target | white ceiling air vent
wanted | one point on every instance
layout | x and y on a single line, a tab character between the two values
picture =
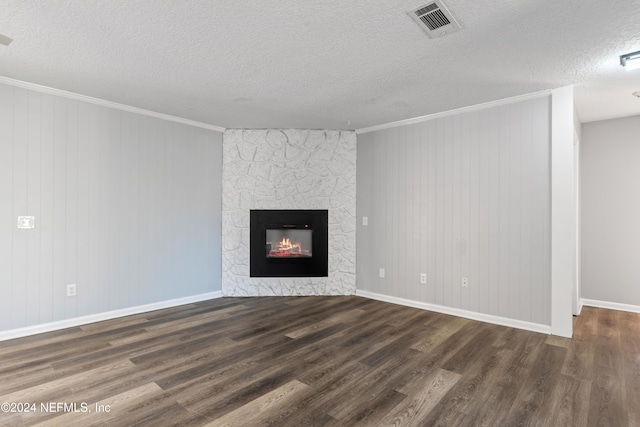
435	19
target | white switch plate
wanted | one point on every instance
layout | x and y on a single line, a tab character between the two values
26	222
71	290
423	278
365	221
465	282
381	273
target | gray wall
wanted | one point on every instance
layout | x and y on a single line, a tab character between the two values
610	210
127	207
466	195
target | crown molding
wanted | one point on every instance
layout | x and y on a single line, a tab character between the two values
470	108
104	103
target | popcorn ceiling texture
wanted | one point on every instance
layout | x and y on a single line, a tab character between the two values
288	169
332	64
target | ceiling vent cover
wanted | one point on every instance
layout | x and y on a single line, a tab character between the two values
435	19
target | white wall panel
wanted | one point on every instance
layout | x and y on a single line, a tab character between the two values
610	211
466	195
127	207
6	203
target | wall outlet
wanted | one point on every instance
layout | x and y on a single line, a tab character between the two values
423	278
465	282
365	221
71	290
381	273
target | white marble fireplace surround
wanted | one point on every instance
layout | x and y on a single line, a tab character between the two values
288	169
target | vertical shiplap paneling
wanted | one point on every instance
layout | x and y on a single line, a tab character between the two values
440	206
404	215
416	233
409	214
526	207
102	243
515	211
133	153
7	219
150	243
484	192
183	175
46	230
34	197
162	233
461	196
212	255
84	217
146	178
446	132
388	195
541	306
71	208
155	150
127	207
363	274
494	218
58	215
385	209
127	213
171	182
456	214
380	220
94	245
20	206
474	231
393	250
432	182
504	209
112	183
422	156
465	213
403	206
159	204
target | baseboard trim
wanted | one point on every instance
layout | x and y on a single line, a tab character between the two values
92	318
610	305
487	318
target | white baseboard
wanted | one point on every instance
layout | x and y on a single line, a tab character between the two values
610	305
487	318
83	320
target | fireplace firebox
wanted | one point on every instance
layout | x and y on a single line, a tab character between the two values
288	243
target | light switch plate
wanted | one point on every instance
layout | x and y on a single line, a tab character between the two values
71	290
26	221
365	221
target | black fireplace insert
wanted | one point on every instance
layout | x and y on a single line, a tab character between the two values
288	243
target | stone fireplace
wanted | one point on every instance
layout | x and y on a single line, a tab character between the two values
289	169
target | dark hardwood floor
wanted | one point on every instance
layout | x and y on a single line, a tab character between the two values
325	361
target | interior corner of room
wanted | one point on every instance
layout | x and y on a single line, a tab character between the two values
143	213
510	207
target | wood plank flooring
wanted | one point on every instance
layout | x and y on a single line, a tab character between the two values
322	361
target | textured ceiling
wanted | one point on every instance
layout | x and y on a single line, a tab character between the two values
324	64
